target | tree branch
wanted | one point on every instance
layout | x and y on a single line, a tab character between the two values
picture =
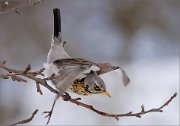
26	120
6	7
19	75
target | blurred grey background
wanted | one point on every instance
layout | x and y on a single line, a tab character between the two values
141	36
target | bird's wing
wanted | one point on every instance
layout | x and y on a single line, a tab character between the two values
70	70
72	61
79	62
68	75
106	67
125	78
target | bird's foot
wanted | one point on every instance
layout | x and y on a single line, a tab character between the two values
48	115
66	97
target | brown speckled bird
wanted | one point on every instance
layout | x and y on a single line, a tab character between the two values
75	74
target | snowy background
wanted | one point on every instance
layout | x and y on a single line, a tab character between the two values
140	36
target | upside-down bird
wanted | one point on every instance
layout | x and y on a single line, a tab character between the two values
77	75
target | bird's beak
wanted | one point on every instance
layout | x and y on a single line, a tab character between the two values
106	94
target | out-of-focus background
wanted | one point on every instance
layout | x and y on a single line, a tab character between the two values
140	36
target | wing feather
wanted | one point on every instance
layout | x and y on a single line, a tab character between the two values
70	70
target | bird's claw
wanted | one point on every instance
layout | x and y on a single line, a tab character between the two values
49	113
66	97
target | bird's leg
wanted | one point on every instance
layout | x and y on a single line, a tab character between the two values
66	97
49	113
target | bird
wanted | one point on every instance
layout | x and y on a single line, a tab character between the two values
75	75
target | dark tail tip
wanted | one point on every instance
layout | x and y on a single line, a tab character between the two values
57	22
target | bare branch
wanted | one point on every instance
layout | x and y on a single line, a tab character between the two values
166	103
6	7
32	75
16	78
28	68
38	88
137	114
26	120
13	76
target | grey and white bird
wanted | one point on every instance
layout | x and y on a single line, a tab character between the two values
70	71
75	74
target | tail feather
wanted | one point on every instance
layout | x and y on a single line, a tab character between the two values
57	22
56	51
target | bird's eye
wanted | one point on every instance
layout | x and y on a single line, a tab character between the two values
97	88
87	88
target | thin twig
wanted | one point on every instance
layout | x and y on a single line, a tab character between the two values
77	101
26	120
38	88
13	76
28	68
5	8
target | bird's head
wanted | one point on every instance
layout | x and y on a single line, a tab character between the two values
95	85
